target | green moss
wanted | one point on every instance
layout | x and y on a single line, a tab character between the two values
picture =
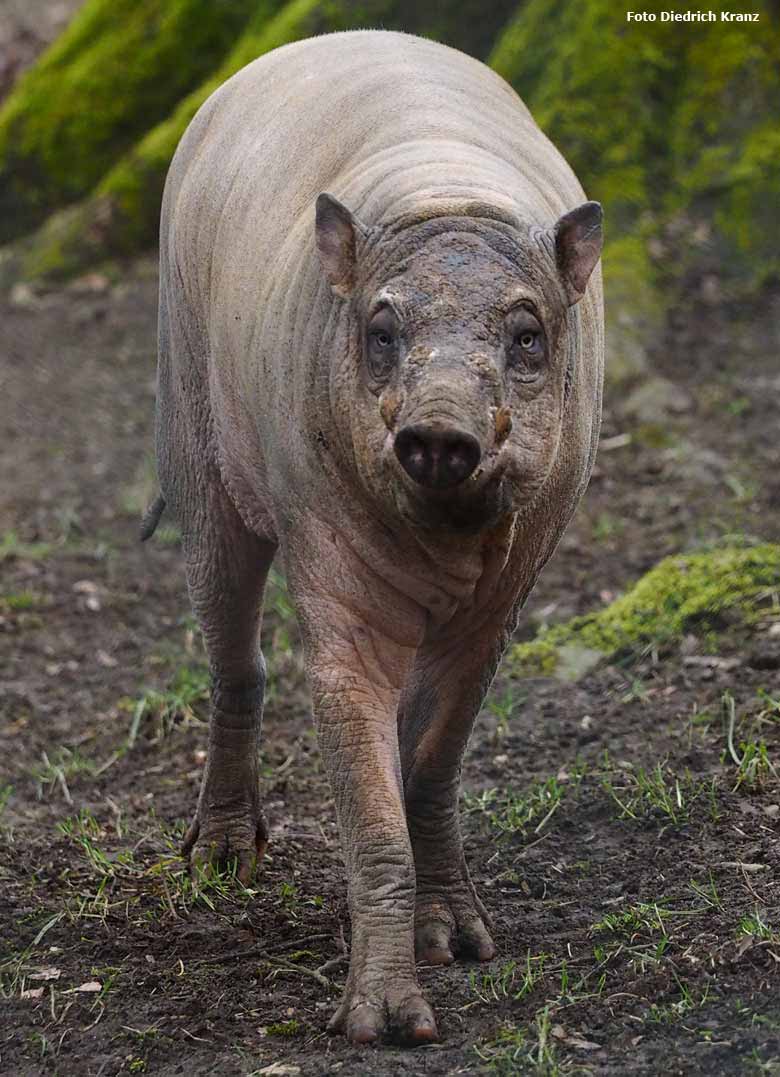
22	600
121	216
131	191
726	141
633	305
673	126
597	86
119	66
681	594
284	1028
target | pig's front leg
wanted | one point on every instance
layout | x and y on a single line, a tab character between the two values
355	671
439	704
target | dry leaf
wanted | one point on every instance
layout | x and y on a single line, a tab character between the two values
49	973
583	1045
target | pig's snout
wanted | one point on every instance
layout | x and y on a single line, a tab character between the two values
435	456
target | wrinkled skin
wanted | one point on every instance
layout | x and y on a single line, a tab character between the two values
381	359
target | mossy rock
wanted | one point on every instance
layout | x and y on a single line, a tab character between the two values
655	115
692	592
674	127
121	215
117	69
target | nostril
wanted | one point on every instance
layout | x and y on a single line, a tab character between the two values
461	458
416	452
437	458
412	453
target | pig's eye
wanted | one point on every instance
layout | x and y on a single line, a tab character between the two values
382	339
526	347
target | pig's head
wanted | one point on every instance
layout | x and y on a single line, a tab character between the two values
450	390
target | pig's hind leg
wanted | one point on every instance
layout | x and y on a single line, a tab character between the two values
226	565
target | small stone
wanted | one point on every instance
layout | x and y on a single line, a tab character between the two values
22	295
657	398
575	661
711	661
85	587
89	282
765	655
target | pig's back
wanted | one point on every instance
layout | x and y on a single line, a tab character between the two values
373	117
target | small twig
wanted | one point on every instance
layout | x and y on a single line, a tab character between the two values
525	848
548	816
748	883
108	763
49	923
92	1025
299	944
335	963
730	709
265	951
301	969
64	785
232	955
285	766
198	1038
168	897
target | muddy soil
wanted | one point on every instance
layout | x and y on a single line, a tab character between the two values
631	869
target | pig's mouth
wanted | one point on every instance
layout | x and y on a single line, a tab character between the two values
469	505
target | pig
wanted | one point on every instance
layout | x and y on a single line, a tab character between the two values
380	357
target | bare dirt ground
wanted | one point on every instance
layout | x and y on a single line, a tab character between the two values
632	869
26	28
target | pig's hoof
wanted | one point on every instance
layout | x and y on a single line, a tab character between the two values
222	839
402	1015
446	927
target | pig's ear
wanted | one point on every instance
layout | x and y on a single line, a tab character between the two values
336	231
578	242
